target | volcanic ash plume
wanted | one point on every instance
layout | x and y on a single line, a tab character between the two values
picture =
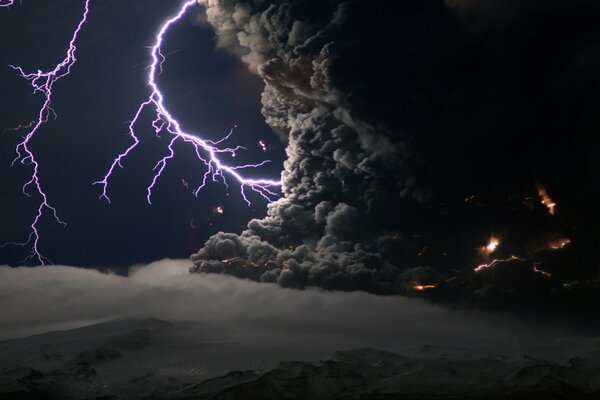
389	118
342	171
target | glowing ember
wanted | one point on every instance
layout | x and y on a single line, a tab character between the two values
493	263
546	200
421	288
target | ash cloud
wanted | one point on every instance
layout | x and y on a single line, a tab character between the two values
395	114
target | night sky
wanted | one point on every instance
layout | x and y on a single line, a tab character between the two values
437	149
209	90
434	225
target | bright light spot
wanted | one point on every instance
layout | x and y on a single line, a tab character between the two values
218	210
492	245
263	146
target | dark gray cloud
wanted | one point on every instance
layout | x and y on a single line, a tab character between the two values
395	113
321	232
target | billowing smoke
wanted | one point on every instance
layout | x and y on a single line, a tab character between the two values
417	129
342	172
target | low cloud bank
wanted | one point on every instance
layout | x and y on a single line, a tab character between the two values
35	300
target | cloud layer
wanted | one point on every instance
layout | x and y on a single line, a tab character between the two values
35	300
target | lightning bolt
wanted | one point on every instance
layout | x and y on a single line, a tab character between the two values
206	151
6	3
43	83
493	263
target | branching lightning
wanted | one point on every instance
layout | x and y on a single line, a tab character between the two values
495	262
43	83
207	151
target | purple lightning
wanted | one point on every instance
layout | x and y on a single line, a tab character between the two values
206	150
6	3
42	82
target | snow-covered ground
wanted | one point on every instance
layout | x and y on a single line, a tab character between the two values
158	359
162	333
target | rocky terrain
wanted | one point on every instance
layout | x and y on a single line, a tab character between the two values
153	359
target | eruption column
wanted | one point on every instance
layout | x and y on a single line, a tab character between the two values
43	83
206	151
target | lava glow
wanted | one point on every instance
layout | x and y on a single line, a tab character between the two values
207	151
546	200
42	82
559	244
421	288
493	263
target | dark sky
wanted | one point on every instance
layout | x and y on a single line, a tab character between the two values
416	130
208	90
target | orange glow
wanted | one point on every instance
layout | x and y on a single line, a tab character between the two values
230	260
559	244
421	288
546	200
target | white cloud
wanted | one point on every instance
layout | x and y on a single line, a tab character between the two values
34	300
